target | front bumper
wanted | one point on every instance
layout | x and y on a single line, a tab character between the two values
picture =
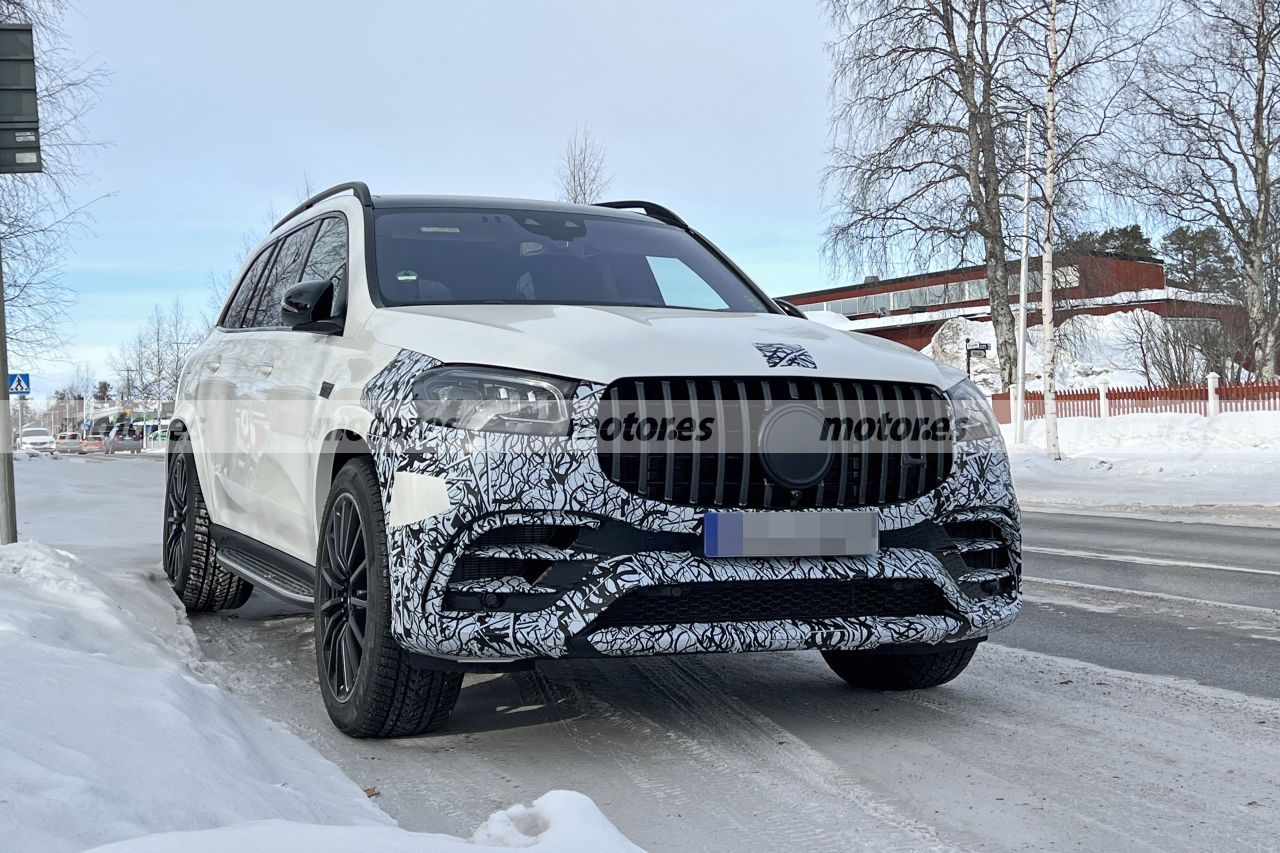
515	480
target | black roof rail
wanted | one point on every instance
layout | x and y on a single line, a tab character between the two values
657	211
360	188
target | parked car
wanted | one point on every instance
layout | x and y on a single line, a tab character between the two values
123	440
69	442
36	438
93	443
472	434
158	439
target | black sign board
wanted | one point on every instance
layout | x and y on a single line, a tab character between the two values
19	119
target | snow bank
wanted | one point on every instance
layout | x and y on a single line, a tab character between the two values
107	733
558	821
1153	460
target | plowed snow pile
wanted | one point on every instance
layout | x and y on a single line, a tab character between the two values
1153	460
108	734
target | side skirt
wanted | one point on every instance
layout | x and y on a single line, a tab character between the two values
273	571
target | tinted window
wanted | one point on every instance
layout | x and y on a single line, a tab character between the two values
285	270
513	256
234	317
328	258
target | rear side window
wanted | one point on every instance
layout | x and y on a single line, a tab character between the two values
234	316
285	271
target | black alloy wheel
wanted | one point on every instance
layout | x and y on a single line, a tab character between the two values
177	510
343	593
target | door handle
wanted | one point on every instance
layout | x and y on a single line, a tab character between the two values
212	366
265	368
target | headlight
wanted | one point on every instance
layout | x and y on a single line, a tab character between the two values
971	413
492	400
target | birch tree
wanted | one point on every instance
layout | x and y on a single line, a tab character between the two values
926	151
1203	138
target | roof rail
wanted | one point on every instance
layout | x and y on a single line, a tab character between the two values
360	188
657	211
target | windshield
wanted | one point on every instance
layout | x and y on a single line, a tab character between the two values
514	256
35	432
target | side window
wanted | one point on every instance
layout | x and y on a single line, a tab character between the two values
328	260
682	287
284	272
234	317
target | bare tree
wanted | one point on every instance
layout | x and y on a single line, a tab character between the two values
582	175
926	148
1205	127
37	215
148	366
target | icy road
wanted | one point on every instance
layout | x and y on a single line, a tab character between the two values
1134	706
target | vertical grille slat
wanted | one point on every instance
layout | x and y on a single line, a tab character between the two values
744	406
721	461
842	411
695	462
862	473
669	475
643	455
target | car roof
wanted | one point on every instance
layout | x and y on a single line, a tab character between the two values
493	203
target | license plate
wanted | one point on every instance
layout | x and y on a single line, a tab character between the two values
791	534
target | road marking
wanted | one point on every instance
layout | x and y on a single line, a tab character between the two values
1154	561
1268	611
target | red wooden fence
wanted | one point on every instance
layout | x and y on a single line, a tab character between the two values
1187	399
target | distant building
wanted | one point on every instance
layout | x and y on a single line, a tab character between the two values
911	309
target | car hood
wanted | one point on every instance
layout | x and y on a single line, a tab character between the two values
602	344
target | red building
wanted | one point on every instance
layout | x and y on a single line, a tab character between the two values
911	309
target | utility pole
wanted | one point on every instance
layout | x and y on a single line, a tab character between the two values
8	502
19	152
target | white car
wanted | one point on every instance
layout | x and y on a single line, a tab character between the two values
476	433
36	438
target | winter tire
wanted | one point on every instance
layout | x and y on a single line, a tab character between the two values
876	670
369	685
190	557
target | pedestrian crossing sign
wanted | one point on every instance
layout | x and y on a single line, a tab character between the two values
19	384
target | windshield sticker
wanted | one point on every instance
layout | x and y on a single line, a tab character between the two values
407	275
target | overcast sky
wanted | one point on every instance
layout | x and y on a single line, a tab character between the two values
214	113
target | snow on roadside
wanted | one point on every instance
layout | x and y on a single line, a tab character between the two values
108	734
1154	460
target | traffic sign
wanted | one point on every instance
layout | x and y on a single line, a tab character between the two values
19	384
979	347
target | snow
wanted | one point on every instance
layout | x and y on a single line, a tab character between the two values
1219	464
111	732
110	717
557	821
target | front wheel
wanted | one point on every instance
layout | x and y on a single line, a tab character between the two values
876	669
369	685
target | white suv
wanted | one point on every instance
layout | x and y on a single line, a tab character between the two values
475	433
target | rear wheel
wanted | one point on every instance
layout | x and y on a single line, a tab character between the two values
886	670
190	557
369	685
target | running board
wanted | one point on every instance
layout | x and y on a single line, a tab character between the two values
264	567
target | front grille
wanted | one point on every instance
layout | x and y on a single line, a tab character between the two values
749	601
723	475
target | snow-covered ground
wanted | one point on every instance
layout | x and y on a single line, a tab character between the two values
118	732
1226	467
110	729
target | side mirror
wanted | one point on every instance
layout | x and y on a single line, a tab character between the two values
308	307
790	309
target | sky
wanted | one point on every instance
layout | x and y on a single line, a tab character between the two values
215	114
